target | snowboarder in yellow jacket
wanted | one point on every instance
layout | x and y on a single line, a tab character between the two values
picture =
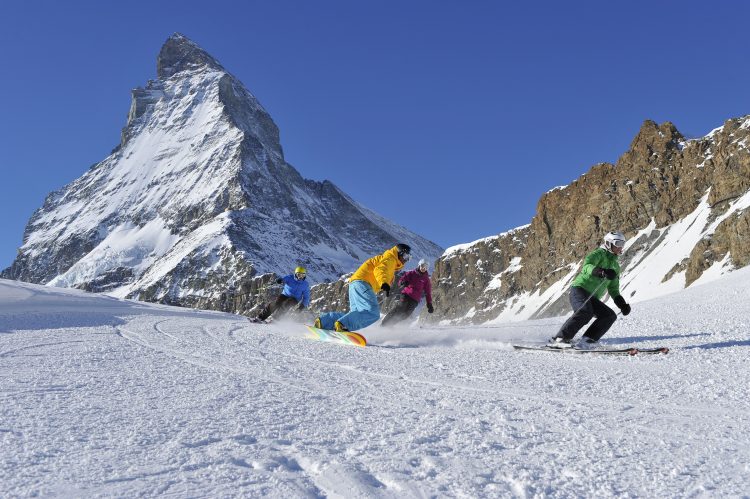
377	273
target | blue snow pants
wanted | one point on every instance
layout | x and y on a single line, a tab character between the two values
363	309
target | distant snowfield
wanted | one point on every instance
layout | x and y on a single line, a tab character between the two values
103	397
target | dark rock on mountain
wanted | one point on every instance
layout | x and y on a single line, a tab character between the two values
684	204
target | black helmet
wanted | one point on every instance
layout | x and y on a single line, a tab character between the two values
404	251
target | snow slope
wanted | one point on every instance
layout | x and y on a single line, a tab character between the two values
104	397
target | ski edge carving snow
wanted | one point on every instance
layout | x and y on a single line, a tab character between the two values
630	351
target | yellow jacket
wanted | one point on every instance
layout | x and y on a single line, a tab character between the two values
379	269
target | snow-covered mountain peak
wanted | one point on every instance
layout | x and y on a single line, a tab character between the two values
197	198
179	53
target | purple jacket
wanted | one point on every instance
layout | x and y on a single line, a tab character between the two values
415	283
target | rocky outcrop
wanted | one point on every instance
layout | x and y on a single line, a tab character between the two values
661	182
482	275
179	54
142	99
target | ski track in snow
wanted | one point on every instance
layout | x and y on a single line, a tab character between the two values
102	397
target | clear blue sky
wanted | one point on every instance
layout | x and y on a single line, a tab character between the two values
468	110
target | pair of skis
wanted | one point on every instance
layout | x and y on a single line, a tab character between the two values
630	351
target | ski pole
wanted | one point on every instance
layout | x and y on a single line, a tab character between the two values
590	297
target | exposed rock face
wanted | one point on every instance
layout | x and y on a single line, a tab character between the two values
684	204
180	54
197	203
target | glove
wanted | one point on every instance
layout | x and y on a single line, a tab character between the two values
429	308
279	280
624	307
604	273
385	287
301	306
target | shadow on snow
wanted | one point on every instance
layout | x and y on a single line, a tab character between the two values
721	344
632	339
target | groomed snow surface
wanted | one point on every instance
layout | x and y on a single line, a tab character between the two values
103	397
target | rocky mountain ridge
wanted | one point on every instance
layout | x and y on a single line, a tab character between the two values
682	203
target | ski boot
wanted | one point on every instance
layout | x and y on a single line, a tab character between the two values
559	342
586	343
337	326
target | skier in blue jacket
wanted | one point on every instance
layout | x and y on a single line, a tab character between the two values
296	292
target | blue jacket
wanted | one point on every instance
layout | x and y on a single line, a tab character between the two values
299	290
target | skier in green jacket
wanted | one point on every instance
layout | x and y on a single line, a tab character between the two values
600	271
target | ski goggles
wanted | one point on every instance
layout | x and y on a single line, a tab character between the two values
618	243
300	275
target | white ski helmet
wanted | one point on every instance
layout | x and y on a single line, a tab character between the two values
422	263
614	240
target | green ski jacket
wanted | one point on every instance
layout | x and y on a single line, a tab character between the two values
596	285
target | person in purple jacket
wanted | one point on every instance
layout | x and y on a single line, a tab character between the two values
415	283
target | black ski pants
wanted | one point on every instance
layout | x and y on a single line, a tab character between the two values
401	311
282	304
586	306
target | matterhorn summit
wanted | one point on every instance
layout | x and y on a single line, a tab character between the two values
197	198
